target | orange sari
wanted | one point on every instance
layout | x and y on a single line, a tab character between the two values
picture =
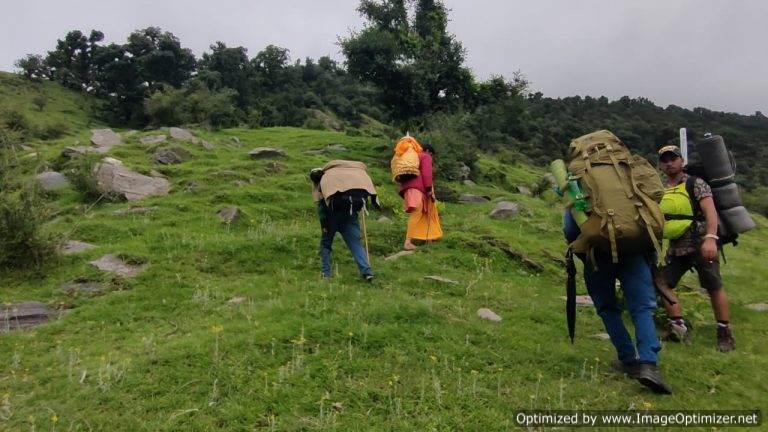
424	223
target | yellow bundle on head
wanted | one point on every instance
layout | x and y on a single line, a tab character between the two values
405	161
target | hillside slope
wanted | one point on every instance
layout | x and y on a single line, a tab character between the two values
171	349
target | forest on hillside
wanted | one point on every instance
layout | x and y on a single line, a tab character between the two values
404	69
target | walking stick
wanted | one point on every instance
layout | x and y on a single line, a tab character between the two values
365	238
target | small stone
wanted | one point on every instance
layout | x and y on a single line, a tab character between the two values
73	246
206	145
239	183
52	180
601	336
181	134
266	152
273	168
235	140
398	255
760	307
115	264
112	161
229	215
441	280
171	156
152	139
156	174
105	138
384	220
134	211
25	147
488	314
524	190
234	301
335	148
505	209
190	187
473	199
464	171
582	300
338	407
83	286
19	316
469	183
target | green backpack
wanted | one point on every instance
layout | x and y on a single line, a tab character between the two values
623	192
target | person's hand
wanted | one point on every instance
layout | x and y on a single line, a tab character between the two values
432	195
709	249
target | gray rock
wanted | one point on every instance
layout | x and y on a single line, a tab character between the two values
181	134
25	147
582	300
464	171
152	139
239	183
398	255
171	156
469	182
114	264
229	215
488	314
235	140
266	153
473	199
335	148
19	316
760	307
505	209
441	280
128	184
206	145
82	287
74	152
273	168
73	246
112	161
52	180
524	190
104	139
133	211
155	174
190	187
384	220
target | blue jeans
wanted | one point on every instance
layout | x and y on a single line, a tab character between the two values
634	273
349	228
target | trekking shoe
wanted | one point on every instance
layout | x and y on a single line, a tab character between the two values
725	340
649	376
676	332
628	369
368	278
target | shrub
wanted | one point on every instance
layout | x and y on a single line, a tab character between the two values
453	145
22	240
52	130
80	172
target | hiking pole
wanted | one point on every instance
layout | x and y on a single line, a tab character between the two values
365	238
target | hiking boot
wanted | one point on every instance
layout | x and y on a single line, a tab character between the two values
628	369
725	340
676	332
368	278
649	376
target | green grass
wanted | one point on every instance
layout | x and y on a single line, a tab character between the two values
165	350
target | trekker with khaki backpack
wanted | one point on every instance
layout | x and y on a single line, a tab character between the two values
617	234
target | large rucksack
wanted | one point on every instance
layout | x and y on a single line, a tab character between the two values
349	201
623	192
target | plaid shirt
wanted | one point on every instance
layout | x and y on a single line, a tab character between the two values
690	242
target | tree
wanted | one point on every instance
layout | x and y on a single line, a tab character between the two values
160	57
234	70
415	63
33	66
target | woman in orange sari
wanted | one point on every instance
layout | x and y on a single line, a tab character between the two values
419	200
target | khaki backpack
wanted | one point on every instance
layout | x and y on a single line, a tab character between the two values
623	192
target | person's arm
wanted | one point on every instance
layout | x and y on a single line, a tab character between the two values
709	246
322	211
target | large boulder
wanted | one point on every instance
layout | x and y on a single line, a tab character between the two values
171	156
505	209
327	120
130	185
104	139
266	153
52	180
181	134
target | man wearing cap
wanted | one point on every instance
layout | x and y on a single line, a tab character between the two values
691	227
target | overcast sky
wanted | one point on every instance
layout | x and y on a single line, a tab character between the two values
710	53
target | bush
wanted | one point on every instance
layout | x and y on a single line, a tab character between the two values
53	130
254	119
454	146
314	123
80	172
756	200
40	101
22	240
14	120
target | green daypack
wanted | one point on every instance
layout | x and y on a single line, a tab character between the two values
623	192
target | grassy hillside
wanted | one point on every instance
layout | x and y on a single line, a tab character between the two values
168	351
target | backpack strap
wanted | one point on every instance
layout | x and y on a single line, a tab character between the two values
690	184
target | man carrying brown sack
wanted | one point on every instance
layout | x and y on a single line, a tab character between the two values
694	246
